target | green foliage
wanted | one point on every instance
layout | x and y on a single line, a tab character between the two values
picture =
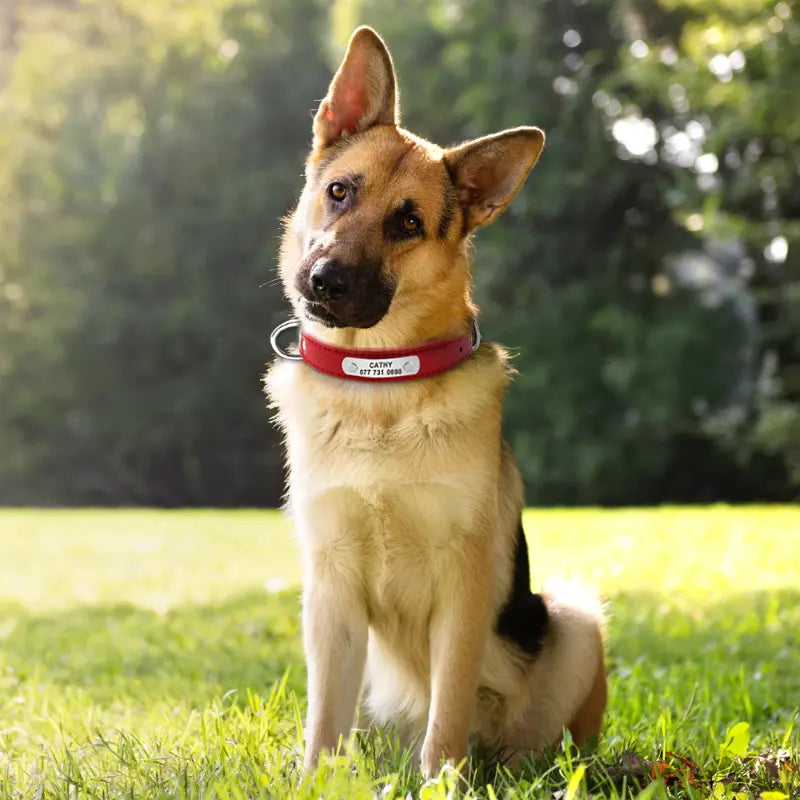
122	675
736	740
144	186
648	275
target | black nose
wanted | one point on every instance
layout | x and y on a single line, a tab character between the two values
330	280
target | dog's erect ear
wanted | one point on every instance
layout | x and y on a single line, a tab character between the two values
362	93
488	172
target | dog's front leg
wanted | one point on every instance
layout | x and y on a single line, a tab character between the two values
335	639
459	629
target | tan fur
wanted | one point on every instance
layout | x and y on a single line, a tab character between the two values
588	720
404	497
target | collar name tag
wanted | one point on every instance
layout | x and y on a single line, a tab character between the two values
381	368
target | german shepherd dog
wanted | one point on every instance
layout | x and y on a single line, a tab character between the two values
405	497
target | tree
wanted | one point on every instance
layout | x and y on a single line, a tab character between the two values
145	183
732	73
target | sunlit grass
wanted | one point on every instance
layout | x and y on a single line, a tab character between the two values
139	655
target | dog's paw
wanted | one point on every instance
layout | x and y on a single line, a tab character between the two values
310	761
434	753
429	766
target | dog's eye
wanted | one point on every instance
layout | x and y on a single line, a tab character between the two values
411	223
337	191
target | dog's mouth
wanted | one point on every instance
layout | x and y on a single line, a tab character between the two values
318	312
344	317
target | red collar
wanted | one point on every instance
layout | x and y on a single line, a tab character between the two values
378	365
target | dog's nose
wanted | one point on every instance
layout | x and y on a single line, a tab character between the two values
330	280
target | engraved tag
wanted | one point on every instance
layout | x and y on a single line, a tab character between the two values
381	367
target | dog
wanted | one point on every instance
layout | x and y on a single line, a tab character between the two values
407	502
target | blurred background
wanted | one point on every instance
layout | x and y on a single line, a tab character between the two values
648	275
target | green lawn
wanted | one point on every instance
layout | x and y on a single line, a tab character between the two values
142	653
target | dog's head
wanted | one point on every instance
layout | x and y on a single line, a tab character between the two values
375	252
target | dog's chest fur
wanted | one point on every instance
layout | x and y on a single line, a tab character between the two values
387	482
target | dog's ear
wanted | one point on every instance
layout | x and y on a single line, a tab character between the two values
488	172
363	91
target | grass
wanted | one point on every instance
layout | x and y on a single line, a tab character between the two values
157	655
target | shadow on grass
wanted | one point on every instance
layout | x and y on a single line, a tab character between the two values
739	657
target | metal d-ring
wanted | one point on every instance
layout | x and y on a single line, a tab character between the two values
476	334
273	339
